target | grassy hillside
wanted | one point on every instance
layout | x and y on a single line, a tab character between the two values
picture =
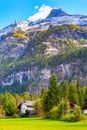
37	124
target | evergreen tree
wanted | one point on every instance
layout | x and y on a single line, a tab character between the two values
65	90
46	102
54	91
85	95
42	92
73	97
52	97
80	96
25	96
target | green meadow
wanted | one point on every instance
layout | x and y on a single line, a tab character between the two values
39	124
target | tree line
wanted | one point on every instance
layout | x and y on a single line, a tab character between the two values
53	102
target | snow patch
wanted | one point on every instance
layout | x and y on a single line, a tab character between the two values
42	13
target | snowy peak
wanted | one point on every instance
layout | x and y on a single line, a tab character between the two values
46	12
45	17
57	13
42	13
56	16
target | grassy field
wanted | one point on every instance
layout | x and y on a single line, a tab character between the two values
38	124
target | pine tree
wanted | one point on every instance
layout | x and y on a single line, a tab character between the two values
42	91
51	98
73	97
80	96
85	95
54	91
65	90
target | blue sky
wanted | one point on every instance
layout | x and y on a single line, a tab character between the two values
19	10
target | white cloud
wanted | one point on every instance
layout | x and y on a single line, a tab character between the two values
41	14
36	7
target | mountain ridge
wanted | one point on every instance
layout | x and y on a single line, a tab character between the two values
47	16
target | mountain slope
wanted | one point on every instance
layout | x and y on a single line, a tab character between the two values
28	58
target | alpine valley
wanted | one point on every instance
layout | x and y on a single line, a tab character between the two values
51	41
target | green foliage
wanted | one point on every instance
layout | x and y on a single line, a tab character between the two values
85	95
60	111
68	57
16	87
42	91
46	105
67	118
2	112
77	114
38	107
37	57
54	91
19	34
73	97
10	106
25	96
54	113
65	89
51	98
79	93
82	41
1	99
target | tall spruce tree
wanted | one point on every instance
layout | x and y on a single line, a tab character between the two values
73	97
85	95
79	93
54	91
65	89
51	98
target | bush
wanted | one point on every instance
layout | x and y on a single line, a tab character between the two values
54	113
19	34
77	116
67	118
60	110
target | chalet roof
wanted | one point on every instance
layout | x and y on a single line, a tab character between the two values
28	103
73	105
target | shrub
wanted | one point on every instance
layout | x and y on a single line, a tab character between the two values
19	34
67	118
77	116
54	113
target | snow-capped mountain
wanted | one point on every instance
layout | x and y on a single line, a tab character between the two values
42	13
56	16
46	16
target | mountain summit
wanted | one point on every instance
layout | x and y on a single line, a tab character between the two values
56	16
46	12
42	13
46	16
57	13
